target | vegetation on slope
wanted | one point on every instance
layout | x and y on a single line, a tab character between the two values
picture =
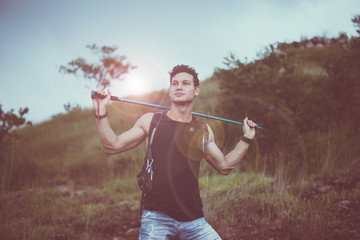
300	179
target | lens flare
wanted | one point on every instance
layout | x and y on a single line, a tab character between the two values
235	190
148	76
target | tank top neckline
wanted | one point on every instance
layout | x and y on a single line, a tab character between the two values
168	118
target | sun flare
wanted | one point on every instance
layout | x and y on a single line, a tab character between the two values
148	76
137	83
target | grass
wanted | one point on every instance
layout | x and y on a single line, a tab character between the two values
238	206
51	214
254	210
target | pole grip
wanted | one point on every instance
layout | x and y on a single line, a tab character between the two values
98	95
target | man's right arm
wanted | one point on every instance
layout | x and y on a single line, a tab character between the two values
113	143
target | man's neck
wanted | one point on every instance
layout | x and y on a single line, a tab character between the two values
180	113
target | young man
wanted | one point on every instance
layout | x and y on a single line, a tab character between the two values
173	210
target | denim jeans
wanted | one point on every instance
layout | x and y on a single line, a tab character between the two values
156	225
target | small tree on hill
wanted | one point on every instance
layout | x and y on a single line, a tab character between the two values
110	67
9	121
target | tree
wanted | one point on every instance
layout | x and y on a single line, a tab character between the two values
356	21
297	91
9	121
110	67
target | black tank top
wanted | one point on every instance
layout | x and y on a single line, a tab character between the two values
177	152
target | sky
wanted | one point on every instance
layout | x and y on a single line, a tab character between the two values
38	36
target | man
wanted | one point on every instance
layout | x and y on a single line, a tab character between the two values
173	210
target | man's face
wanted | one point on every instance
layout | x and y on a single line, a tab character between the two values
182	88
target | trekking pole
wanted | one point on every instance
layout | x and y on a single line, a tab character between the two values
114	98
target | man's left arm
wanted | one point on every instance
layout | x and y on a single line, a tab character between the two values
224	164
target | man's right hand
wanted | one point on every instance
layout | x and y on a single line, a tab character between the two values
100	104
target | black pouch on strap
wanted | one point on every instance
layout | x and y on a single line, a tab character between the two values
144	177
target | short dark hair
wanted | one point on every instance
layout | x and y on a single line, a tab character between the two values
185	68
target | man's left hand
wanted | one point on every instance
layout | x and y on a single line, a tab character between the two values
249	128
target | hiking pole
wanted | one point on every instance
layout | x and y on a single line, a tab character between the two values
113	98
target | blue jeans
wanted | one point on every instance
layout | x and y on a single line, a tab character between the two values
156	225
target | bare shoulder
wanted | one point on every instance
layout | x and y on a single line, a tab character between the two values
144	122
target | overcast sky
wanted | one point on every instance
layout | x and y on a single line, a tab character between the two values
37	36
